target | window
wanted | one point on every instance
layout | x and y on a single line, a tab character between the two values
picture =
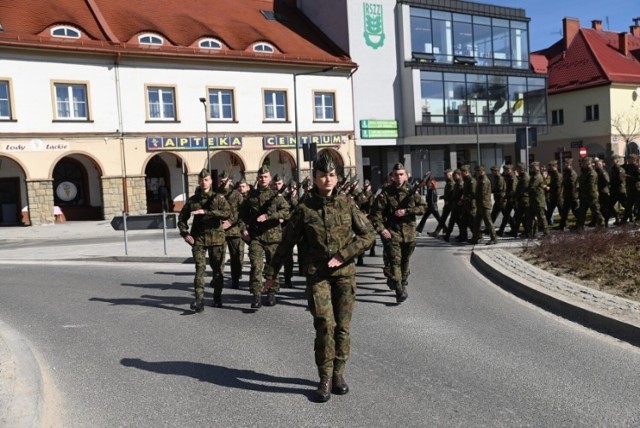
221	104
593	112
557	117
71	101
150	39
5	100
68	32
161	103
275	105
324	106
263	47
210	44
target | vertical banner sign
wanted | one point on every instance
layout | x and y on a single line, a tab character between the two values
373	29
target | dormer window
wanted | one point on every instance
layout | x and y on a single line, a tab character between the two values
65	31
150	39
210	44
263	47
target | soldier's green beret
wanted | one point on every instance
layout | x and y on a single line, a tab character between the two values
553	163
464	168
480	168
534	164
204	173
520	165
325	163
263	170
277	177
242	181
398	167
495	168
223	175
587	160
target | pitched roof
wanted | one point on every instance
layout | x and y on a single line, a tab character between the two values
113	25
593	58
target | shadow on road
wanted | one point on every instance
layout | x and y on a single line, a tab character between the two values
225	376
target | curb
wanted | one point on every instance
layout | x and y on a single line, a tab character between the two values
22	382
540	296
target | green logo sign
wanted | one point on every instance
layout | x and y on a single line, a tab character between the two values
378	124
373	29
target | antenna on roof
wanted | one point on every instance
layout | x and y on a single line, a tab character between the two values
636	21
606	18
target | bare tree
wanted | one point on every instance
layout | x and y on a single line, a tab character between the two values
627	125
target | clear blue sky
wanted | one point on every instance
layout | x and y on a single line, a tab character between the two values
546	16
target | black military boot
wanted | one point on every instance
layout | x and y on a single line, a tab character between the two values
235	283
271	300
360	261
197	306
257	302
401	294
323	393
372	252
217	302
340	387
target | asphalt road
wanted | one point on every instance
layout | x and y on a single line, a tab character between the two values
121	348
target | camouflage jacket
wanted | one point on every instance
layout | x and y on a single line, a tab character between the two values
325	227
618	182
510	182
569	185
521	196
633	179
603	182
448	195
235	200
364	200
206	228
483	193
264	201
588	186
536	190
555	184
469	194
402	229
499	189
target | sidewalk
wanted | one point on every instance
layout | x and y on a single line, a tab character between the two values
21	390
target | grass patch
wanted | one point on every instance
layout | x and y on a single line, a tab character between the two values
605	259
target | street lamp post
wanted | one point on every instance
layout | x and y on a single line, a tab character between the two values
477	130
206	130
295	114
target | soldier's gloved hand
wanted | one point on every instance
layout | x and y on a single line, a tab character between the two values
267	285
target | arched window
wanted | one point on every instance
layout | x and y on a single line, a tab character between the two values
633	148
65	31
69	183
263	47
150	39
210	44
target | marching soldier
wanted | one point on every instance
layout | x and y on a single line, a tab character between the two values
483	207
553	190
604	194
291	196
468	214
632	209
537	199
209	209
522	202
448	203
394	218
569	192
456	204
334	231
499	190
510	182
364	201
233	237
588	194
260	217
618	188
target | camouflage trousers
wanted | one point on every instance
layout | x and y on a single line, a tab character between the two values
331	302
259	254
236	256
483	215
216	257
399	258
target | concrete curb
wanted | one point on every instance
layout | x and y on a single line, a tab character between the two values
22	382
553	302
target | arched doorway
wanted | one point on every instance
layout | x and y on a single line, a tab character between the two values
158	185
12	193
229	162
76	188
281	163
633	148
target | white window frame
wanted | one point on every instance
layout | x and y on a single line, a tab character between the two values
67	32
323	107
69	108
263	47
270	104
216	108
150	39
6	102
210	44
161	105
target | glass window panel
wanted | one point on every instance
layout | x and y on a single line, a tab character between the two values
463	39
498	108
221	102
535	101
4	100
501	46
482	20
274	103
442	41
483	45
519	24
477	93
517	90
519	48
445	16
455	94
421	34
458	17
432	93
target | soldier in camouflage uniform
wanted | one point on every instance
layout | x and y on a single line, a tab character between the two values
537	199
522	202
364	201
394	218
604	194
468	214
588	194
483	207
448	203
334	231
632	208
291	196
233	237
499	190
456	204
209	209
618	188
553	189
260	217
510	183
569	192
